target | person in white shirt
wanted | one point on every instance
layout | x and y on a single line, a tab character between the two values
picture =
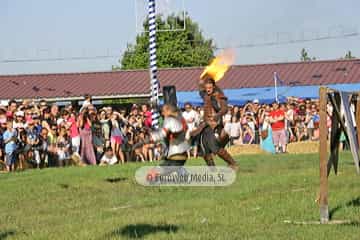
235	131
108	158
227	116
192	119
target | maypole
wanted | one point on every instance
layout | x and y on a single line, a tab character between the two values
154	83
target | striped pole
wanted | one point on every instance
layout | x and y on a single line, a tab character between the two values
154	83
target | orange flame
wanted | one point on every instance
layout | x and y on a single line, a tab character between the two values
219	65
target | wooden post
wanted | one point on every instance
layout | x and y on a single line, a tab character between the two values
323	200
357	117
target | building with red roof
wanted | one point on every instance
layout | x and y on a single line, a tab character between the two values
136	83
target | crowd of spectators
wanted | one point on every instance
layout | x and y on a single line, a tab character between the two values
41	134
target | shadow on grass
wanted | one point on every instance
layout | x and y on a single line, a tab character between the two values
63	185
5	234
141	230
115	180
352	203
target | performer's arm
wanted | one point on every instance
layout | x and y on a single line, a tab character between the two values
223	107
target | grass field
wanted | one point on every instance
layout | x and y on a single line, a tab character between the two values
106	203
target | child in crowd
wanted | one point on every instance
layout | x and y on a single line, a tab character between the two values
10	138
109	157
63	147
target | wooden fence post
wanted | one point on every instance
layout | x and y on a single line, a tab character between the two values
323	200
357	117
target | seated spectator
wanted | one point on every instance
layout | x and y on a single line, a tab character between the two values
109	157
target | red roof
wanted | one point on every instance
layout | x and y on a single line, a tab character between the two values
185	79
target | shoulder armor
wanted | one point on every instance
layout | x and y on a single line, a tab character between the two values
173	125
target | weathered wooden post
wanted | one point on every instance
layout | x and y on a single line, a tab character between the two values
357	118
323	200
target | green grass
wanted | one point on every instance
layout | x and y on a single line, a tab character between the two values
81	203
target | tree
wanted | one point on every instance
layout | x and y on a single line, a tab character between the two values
305	56
174	48
349	55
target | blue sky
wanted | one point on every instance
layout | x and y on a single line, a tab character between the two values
72	28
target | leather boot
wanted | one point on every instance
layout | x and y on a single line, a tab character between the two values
223	139
209	160
222	153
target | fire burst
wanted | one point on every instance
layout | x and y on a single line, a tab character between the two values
219	65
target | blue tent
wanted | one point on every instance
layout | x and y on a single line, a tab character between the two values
265	94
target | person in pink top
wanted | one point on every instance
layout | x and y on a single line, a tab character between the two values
72	126
147	116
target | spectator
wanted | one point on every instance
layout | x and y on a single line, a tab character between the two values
267	139
235	131
98	142
248	135
11	108
52	136
116	135
72	126
44	143
109	157
54	111
63	146
105	127
277	119
87	151
147	115
21	149
86	103
10	138
192	119
32	136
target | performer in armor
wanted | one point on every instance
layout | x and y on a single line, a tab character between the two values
213	138
173	133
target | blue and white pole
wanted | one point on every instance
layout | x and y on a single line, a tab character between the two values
154	83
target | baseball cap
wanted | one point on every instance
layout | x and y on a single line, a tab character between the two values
256	101
19	114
